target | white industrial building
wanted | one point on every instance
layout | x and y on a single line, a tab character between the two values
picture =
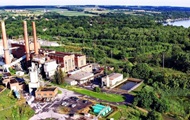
82	77
112	79
50	67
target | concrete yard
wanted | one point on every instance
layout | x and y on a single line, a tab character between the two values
48	109
76	104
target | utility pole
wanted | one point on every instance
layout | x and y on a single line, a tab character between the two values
105	65
94	44
111	54
163	60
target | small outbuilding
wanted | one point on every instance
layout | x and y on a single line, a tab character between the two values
112	79
70	81
46	93
14	83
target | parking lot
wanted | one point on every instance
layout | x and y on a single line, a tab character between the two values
75	104
45	110
49	109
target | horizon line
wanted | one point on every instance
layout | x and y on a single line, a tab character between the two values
101	5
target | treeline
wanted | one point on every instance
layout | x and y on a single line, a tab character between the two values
148	8
134	45
136	38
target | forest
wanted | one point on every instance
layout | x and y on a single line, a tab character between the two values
135	45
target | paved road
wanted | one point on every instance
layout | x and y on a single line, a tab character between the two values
48	110
49	114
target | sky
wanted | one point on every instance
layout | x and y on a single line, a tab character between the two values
183	3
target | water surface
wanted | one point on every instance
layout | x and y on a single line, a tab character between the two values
128	85
184	23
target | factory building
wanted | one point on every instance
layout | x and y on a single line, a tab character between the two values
80	60
82	77
65	60
46	93
14	83
42	61
21	49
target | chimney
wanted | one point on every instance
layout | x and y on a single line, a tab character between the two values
35	38
26	41
5	44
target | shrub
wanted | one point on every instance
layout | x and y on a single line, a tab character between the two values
153	115
97	89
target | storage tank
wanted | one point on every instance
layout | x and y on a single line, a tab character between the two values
103	113
34	76
98	105
109	108
33	72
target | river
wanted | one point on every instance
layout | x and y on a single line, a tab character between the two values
184	23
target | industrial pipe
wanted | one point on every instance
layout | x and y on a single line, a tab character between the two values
26	41
35	38
5	43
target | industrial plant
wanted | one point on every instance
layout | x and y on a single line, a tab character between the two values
41	65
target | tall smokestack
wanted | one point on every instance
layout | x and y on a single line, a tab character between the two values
26	41
5	43
35	38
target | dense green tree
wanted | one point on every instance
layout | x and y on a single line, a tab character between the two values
59	76
161	105
141	70
153	115
150	99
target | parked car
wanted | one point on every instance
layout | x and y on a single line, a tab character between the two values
84	101
67	104
73	105
74	98
64	103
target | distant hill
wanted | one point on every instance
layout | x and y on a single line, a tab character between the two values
25	7
152	8
148	8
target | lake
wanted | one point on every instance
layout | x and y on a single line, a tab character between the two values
184	23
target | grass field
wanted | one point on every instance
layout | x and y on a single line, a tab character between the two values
40	11
5	100
66	12
138	89
101	96
168	71
5	103
13	109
